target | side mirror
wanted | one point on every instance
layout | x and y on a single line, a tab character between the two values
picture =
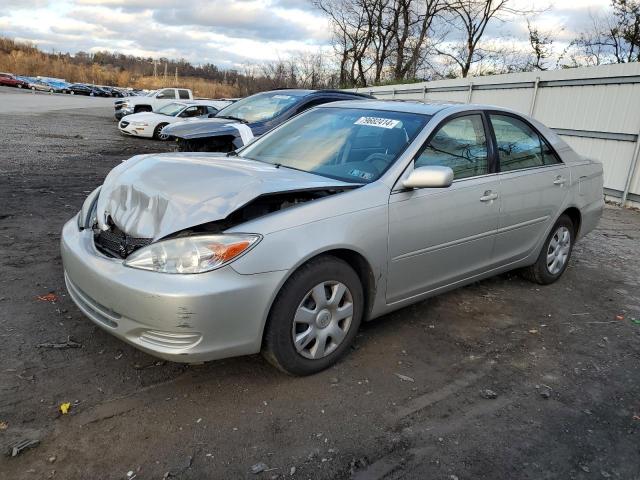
429	177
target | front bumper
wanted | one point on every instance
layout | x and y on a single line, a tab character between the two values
182	318
135	130
122	112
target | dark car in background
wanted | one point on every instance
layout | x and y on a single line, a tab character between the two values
242	121
10	80
79	89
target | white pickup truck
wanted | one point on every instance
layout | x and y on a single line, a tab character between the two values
151	101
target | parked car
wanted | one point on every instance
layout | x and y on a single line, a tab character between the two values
10	80
113	92
150	102
80	89
344	213
35	84
58	86
151	124
246	119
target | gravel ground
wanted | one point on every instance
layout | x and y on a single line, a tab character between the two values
502	379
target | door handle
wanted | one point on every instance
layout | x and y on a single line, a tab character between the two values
560	180
488	196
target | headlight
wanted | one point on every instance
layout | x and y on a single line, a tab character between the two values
140	124
88	209
197	254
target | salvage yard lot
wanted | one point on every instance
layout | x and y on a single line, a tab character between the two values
414	399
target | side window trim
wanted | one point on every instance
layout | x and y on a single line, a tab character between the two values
494	141
492	159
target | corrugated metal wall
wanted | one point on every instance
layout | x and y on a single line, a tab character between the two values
595	109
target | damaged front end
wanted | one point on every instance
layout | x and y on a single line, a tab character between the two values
170	213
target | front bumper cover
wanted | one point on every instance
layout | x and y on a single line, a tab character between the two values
182	318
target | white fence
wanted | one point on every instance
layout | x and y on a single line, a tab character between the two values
595	109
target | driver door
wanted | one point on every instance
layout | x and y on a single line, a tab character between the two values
440	236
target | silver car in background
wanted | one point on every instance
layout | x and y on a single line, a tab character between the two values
342	214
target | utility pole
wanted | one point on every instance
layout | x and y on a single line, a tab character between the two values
176	75
155	68
165	72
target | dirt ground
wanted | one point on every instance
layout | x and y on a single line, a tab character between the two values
410	401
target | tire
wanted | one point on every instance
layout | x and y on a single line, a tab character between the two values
157	132
329	276
553	259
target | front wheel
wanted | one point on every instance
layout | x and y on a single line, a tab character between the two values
554	256
315	317
157	132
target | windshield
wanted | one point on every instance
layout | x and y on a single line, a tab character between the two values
349	144
171	109
260	107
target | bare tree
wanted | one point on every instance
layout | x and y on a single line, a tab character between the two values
614	38
541	46
471	18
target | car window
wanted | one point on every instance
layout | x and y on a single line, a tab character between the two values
190	112
519	146
261	106
323	141
460	144
183	94
168	93
172	109
211	110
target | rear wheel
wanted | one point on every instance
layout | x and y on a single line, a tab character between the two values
554	256
315	317
157	133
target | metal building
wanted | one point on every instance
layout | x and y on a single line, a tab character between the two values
595	109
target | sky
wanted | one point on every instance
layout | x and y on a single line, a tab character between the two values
228	33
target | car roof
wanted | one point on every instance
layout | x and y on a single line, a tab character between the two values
303	92
409	106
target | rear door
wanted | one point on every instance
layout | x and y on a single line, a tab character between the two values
439	236
533	185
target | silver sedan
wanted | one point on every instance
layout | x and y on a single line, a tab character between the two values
340	215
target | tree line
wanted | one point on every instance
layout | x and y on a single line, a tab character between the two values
373	42
386	41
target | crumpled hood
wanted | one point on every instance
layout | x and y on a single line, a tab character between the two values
152	196
206	127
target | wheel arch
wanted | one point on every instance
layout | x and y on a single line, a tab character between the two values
576	218
354	259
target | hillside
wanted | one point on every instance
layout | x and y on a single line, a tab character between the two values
105	68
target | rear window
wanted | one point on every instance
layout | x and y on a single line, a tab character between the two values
184	94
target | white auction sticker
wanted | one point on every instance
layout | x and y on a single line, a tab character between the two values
282	97
377	122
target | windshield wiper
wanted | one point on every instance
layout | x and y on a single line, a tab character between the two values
232	153
231	117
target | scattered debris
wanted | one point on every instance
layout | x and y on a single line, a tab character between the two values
17	448
333	380
490	394
52	459
131	475
64	408
292	471
635	321
49	297
70	343
3	425
545	394
533	330
619	317
258	468
404	378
